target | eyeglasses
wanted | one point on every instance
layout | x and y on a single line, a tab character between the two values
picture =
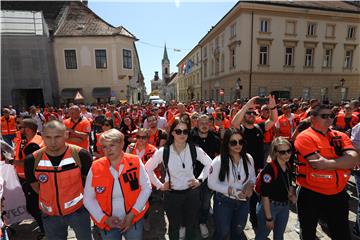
251	113
179	131
283	152
141	137
327	115
233	143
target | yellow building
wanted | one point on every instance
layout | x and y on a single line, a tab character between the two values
189	76
290	49
95	58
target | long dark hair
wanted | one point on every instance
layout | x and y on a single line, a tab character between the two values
177	121
225	156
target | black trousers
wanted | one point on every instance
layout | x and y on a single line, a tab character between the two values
333	209
32	203
182	207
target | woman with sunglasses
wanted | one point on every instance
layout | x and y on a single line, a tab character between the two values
182	195
232	177
275	190
107	124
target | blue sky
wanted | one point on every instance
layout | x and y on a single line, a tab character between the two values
180	24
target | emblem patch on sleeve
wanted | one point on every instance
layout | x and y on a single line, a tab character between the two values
99	189
43	178
267	178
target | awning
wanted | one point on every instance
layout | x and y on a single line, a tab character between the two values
101	92
67	93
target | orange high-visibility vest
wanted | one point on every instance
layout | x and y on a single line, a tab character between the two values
8	126
21	157
103	182
61	190
285	126
269	134
340	121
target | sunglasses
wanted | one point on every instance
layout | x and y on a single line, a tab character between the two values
251	113
179	131
141	137
327	116
236	142
283	152
107	125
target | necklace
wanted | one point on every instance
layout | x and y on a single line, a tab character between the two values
183	159
235	171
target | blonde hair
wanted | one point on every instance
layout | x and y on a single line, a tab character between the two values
144	130
275	144
112	135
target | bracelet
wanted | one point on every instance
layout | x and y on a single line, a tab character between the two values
268	219
273	108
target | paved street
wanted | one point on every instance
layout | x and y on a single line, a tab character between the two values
27	229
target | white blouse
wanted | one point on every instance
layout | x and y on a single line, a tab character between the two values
234	179
180	167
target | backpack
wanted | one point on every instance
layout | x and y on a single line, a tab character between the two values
259	177
166	155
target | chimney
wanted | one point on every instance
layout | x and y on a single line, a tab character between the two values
156	77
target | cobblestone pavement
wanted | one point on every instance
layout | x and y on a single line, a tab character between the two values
27	230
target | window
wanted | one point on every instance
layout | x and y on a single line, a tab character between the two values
264	55
348	59
264	25
330	31
127	61
311	29
233	30
306	94
232	58
309	55
351	32
290	27
324	94
327	58
222	63
262	91
344	92
289	56
217	42
100	58
70	59
205	52
205	69
166	71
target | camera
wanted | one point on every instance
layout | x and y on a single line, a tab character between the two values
262	100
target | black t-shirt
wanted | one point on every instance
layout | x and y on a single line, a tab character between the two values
85	158
276	188
32	147
255	144
305	124
210	145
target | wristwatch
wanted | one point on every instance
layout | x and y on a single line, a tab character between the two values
268	219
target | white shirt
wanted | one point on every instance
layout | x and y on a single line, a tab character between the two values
355	136
231	180
87	115
161	123
118	210
39	118
180	176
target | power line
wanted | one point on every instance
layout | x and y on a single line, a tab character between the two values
158	46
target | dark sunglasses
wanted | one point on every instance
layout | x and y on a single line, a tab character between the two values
235	142
327	116
283	152
251	113
179	131
141	137
17	122
107	125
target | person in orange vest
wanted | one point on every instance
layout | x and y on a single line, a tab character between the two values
287	122
268	134
157	136
8	126
117	190
144	151
325	158
114	115
78	128
98	149
27	143
345	121
57	172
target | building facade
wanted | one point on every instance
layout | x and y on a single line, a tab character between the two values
189	76
289	49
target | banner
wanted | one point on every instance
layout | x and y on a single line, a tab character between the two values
14	199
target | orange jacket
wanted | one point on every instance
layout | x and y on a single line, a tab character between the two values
8	126
20	153
116	119
269	134
285	126
103	182
83	126
61	190
340	121
98	145
311	142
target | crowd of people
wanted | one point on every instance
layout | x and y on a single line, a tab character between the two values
255	158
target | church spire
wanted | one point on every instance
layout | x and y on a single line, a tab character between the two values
165	57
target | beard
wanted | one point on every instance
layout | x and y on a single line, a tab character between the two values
250	120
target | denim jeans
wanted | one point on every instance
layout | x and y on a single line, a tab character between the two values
205	197
230	217
56	227
280	215
357	181
134	233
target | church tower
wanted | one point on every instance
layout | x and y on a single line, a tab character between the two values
165	63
